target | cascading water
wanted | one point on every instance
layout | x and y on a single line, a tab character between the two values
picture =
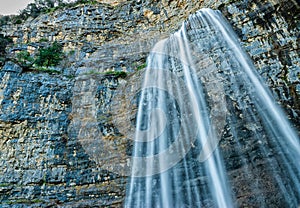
201	101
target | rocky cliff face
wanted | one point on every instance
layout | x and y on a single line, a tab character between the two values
269	33
45	119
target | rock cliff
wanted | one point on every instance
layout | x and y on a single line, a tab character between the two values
45	118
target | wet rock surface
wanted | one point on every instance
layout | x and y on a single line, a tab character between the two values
42	159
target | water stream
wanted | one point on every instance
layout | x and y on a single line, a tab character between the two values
208	131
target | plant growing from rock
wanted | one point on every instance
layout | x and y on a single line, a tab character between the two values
117	74
49	56
25	60
120	74
4	41
142	66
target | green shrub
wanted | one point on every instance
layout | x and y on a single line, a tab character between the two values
43	40
144	65
46	70
71	53
4	20
18	21
4	41
120	74
25	60
50	56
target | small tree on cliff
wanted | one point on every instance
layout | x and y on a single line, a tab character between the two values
50	56
25	60
4	41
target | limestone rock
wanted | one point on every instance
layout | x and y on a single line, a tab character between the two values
42	160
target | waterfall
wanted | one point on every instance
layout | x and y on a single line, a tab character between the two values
208	131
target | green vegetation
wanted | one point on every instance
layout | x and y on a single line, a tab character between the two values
46	70
5	184
43	40
144	65
70	76
118	74
18	21
50	56
4	41
43	60
85	2
4	20
41	7
25	60
24	201
92	72
71	53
